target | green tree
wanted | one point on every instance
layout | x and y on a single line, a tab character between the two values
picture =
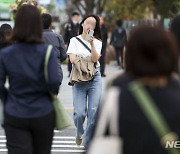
128	9
86	7
167	8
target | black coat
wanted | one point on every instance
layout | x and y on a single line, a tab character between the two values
71	30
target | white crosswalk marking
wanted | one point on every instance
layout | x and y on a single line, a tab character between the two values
65	144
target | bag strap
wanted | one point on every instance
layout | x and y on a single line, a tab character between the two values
108	119
83	44
153	114
48	52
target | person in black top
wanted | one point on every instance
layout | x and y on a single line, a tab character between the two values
104	34
71	30
151	58
119	40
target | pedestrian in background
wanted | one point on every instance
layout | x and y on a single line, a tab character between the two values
53	38
119	40
29	116
102	59
86	95
150	59
71	30
5	32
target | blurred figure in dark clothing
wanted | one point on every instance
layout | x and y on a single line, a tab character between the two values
175	29
118	40
53	38
150	59
104	33
2	38
71	30
5	32
29	117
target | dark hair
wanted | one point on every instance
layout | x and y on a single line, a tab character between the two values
46	20
6	29
28	25
75	14
97	30
119	22
2	36
151	52
175	28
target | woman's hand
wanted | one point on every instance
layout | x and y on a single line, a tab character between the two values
91	40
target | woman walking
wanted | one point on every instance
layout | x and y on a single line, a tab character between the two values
86	95
29	115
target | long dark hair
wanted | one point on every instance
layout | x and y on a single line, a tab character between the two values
28	25
97	30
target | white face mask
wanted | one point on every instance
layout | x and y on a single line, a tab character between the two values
75	21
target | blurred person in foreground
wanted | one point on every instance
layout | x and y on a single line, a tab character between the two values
29	116
71	30
118	41
151	58
53	38
102	59
5	32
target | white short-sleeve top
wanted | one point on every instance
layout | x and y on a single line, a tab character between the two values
75	47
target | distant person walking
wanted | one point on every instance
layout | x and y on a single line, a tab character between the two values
5	32
71	30
53	38
29	116
119	40
102	60
87	94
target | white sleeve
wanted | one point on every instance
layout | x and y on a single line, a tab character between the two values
98	46
72	47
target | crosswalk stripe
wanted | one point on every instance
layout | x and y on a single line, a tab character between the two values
73	151
64	144
63	137
2	145
3	150
55	137
55	146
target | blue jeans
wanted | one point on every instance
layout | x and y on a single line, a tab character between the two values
86	100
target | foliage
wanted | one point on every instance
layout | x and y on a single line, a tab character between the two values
18	4
128	9
167	8
86	7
